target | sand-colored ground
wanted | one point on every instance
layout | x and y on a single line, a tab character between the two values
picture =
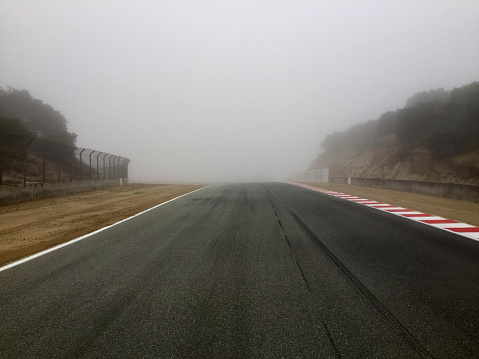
29	227
462	211
32	226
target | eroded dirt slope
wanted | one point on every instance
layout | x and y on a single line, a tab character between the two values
389	159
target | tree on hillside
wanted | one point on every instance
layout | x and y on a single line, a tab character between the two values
36	117
358	137
415	123
444	128
467	95
9	125
444	122
438	95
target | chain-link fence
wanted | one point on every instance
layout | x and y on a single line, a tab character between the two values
29	160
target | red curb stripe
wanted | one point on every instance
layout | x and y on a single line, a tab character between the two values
464	229
417	215
439	221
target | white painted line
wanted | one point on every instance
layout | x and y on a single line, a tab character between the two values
449	225
39	254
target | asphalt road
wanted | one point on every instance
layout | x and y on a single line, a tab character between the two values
249	271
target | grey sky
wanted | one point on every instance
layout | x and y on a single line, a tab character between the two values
230	90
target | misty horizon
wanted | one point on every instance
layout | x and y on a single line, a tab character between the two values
237	91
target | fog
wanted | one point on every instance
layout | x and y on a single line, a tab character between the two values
201	91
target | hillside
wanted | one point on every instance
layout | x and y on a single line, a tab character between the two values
20	113
23	118
434	138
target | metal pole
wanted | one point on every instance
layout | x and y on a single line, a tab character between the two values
97	173
1	158
81	165
109	166
104	167
44	159
1	163
118	167
25	163
90	162
72	156
121	164
114	172
59	168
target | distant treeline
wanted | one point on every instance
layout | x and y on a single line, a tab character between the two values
444	122
21	114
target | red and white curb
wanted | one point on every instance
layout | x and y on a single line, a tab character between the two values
449	225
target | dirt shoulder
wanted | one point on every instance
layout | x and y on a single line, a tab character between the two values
462	211
30	227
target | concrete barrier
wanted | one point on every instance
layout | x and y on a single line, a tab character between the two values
319	175
448	190
18	193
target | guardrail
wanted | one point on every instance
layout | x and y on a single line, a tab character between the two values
26	159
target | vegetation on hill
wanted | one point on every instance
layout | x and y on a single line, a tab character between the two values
444	125
20	113
440	127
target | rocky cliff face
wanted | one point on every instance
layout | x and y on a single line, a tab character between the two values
389	159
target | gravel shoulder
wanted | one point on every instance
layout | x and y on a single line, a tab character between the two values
462	211
30	227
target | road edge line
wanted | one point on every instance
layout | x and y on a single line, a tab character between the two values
71	241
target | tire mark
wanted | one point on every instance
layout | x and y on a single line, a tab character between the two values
323	323
373	300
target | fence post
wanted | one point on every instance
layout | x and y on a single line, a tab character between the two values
44	159
114	172
1	163
2	158
90	162
97	173
59	168
122	168
58	153
118	167
72	157
110	173
104	166
126	168
81	165
25	163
